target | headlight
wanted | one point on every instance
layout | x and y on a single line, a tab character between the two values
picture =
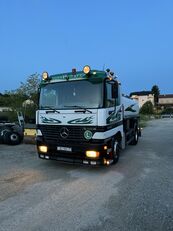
43	149
92	154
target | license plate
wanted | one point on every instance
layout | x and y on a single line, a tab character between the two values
66	149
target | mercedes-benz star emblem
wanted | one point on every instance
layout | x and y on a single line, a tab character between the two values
64	132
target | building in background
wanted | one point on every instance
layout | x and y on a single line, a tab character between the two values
142	97
166	101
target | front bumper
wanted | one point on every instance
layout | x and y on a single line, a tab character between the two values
76	155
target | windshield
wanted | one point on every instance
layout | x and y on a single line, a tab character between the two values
71	94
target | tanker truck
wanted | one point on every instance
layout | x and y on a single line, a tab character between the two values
84	118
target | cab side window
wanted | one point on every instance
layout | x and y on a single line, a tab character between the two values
110	102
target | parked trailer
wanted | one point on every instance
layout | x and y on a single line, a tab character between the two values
83	118
10	133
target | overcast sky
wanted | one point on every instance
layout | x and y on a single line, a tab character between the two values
134	38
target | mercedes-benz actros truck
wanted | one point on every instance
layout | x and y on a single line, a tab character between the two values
84	118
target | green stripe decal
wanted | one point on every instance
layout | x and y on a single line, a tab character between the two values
87	120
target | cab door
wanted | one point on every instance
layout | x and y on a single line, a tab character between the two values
112	102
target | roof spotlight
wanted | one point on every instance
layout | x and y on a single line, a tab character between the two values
45	76
86	69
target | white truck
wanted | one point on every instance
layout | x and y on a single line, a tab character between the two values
84	118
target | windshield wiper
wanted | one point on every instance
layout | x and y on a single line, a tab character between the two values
51	109
78	107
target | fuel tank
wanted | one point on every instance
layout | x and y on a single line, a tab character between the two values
131	107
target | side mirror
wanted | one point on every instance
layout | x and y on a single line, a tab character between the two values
115	90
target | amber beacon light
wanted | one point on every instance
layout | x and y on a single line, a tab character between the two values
86	69
45	76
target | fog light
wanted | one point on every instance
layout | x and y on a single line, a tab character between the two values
42	149
92	154
107	162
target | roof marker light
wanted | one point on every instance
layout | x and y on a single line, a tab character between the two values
74	71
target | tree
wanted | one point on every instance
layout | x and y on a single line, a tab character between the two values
4	100
147	108
156	92
16	99
30	90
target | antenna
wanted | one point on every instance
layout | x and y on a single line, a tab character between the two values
103	66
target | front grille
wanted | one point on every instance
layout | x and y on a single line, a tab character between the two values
52	132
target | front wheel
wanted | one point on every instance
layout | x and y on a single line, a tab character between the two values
116	152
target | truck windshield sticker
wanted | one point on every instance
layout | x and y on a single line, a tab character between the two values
49	120
87	120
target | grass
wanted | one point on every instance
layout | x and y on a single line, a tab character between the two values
144	119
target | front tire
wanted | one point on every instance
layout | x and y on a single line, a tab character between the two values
115	152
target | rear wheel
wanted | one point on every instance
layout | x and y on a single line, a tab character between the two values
6	136
135	137
12	138
1	139
15	138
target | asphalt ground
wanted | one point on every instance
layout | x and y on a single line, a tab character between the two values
135	194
